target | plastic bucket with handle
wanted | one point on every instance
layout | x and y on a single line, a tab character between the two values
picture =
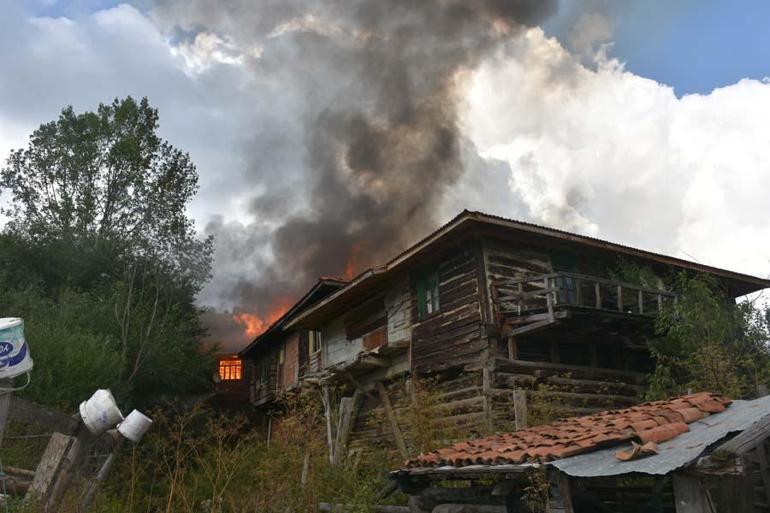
100	412
135	426
14	352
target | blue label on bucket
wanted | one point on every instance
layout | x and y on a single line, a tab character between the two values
5	348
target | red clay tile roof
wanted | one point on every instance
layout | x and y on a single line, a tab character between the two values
648	422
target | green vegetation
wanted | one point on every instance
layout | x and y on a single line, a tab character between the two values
708	342
101	260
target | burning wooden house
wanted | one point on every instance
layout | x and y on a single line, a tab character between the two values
494	310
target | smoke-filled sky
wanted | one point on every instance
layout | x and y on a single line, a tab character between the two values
330	134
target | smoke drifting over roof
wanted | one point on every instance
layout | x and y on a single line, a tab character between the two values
375	91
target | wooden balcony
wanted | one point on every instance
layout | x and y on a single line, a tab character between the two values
539	298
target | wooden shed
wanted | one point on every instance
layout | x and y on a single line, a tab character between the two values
700	453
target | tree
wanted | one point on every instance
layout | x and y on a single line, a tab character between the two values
98	219
708	342
104	186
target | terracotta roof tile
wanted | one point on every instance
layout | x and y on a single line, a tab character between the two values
654	422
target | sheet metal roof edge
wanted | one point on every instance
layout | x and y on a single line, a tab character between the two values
324	280
471	215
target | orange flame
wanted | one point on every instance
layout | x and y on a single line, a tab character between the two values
353	265
254	325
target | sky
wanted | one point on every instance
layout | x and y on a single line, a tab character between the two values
642	123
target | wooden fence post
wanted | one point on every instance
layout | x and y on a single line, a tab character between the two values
104	471
48	468
77	451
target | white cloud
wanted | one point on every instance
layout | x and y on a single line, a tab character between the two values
613	154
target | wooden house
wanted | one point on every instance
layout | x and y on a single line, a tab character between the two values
492	310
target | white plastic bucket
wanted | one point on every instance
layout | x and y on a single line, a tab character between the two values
135	426
100	412
14	352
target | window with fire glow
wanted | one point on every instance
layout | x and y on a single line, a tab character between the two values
230	370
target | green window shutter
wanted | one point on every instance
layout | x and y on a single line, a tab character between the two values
421	307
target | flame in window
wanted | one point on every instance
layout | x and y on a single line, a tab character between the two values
230	369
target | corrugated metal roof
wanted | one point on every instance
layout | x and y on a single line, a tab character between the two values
749	283
675	453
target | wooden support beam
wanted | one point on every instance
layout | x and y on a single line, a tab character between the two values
689	495
520	408
348	409
359	386
104	471
747	439
328	416
74	457
513	348
559	498
486	386
763	468
392	420
48	468
376	361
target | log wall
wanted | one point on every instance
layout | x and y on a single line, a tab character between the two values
453	336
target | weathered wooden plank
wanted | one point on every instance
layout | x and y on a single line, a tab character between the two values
559	497
689	496
505	365
392	420
746	440
48	467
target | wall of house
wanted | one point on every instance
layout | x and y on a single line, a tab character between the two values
453	336
337	348
398	307
288	371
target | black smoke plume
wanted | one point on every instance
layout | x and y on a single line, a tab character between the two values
375	89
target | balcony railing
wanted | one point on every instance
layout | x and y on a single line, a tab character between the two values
544	292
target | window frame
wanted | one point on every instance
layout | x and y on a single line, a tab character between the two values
428	294
230	369
314	343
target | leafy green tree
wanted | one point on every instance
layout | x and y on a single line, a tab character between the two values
99	235
709	342
102	187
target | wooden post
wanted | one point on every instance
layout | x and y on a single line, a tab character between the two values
392	420
598	290
305	469
513	349
48	468
348	409
520	408
328	415
77	451
559	498
5	405
486	386
689	496
641	301
620	298
104	471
